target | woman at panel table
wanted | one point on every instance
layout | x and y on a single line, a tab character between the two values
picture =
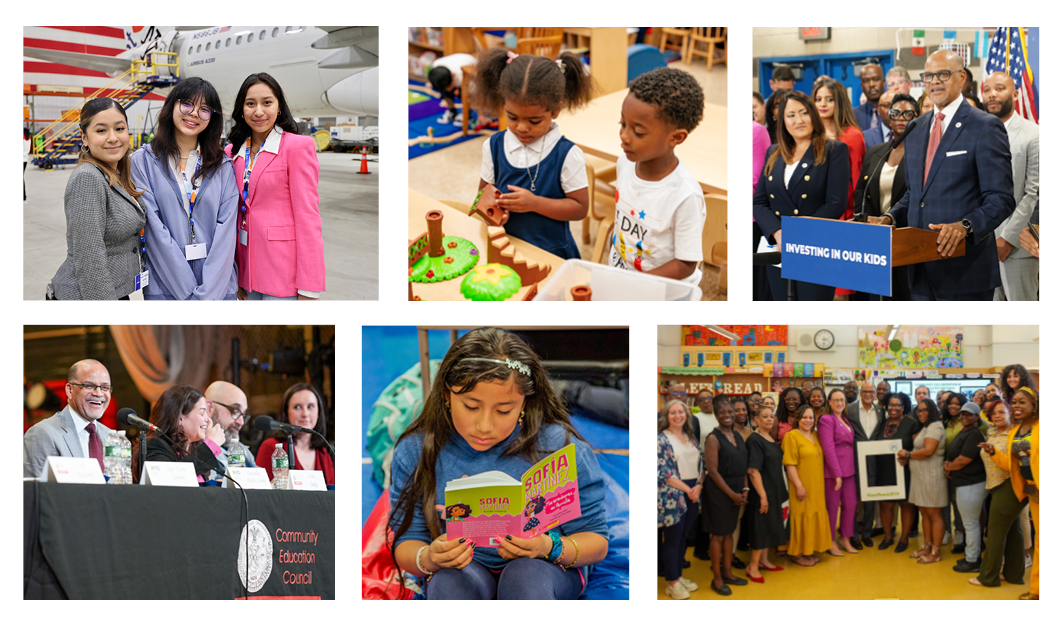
301	406
186	433
882	180
280	252
805	175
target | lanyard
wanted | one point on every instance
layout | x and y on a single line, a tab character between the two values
190	191
249	164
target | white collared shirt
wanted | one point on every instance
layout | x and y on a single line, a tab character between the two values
868	418
180	175
949	112
573	170
80	423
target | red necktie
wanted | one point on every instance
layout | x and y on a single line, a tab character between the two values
95	447
935	140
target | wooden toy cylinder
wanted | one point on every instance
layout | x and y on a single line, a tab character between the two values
435	232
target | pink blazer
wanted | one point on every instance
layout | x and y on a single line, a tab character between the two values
838	447
285	251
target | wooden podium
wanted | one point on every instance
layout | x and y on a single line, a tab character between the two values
915	245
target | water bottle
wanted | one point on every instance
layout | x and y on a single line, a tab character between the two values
280	468
111	454
126	459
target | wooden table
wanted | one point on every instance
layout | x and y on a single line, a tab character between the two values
596	130
457	223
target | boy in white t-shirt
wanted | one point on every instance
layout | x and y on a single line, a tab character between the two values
660	207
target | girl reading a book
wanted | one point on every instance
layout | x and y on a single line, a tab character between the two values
491	407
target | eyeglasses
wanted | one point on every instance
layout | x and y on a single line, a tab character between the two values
204	111
235	410
943	75
899	114
92	388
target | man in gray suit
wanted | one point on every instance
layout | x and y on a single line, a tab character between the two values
864	414
1018	268
230	406
75	431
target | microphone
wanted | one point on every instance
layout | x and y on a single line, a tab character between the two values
128	416
862	215
269	424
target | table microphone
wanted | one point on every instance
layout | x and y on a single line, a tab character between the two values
862	215
128	416
269	424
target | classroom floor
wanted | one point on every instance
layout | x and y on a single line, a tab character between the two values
454	173
870	574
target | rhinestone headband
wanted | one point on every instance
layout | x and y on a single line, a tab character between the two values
509	362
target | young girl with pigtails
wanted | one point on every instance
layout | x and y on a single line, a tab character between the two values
491	407
541	174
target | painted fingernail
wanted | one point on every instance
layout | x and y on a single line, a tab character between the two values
472	543
461	540
508	537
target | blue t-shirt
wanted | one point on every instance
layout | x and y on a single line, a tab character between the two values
457	458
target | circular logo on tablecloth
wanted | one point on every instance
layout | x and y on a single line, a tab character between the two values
260	557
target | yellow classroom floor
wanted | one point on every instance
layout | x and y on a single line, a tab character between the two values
454	173
870	574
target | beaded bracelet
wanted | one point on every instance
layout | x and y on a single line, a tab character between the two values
423	570
575	545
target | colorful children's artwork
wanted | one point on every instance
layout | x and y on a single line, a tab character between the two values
749	335
715	358
491	504
914	347
755	358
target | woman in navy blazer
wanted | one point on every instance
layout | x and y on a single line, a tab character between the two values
805	175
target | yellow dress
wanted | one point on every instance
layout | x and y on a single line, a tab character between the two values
809	523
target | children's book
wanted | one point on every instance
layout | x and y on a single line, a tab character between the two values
484	506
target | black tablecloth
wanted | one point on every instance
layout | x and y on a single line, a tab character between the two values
156	542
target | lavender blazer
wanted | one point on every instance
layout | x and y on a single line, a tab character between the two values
838	445
285	250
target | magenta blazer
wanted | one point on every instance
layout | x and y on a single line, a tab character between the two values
839	447
285	251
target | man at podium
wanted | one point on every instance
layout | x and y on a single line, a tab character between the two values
959	184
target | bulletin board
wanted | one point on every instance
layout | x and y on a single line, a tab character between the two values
702	336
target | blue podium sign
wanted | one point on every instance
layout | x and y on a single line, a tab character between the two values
843	254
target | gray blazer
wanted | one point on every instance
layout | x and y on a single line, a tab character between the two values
54	436
102	239
1024	138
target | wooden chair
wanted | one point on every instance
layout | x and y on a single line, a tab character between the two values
540	41
714	235
682	35
710	37
599	172
603	209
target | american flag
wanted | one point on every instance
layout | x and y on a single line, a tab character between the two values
1007	53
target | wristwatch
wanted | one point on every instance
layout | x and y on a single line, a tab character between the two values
966	223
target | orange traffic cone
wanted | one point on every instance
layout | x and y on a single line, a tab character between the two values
365	163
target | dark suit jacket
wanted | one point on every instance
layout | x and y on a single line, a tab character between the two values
867	194
864	114
204	462
974	183
815	190
852	412
873	137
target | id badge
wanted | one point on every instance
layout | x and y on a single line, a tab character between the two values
141	280
243	237
195	251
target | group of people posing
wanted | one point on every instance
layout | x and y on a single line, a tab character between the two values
187	216
972	461
821	155
200	427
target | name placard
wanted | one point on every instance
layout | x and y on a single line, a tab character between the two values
249	477
66	470
169	474
307	480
